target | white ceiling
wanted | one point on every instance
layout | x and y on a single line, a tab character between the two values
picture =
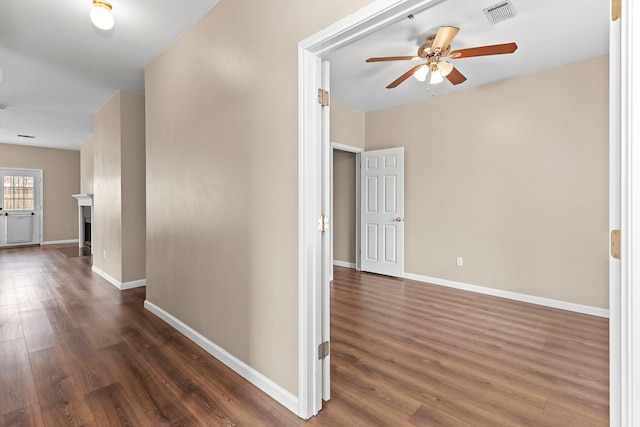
548	33
59	70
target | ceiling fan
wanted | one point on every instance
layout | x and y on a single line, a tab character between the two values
434	50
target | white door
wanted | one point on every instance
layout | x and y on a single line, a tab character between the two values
327	262
20	207
382	210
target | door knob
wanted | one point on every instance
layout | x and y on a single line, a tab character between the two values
399	219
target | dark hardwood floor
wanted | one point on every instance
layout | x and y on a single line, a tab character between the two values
75	351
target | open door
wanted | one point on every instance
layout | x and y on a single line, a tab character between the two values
327	263
382	211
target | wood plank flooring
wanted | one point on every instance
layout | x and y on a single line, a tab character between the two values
75	351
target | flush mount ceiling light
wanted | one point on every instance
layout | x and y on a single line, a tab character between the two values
101	15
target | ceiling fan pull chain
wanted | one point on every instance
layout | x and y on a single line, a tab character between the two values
429	80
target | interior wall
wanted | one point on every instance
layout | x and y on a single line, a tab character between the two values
119	188
61	179
514	179
133	187
107	199
347	125
222	150
86	167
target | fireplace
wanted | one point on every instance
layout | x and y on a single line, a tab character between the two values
86	217
85	220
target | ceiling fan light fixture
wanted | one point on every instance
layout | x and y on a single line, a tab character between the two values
421	73
101	15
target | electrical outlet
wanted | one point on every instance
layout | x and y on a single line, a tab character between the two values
459	261
104	253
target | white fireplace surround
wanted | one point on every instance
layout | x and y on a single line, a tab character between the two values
84	200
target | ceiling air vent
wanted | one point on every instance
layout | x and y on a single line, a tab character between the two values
500	12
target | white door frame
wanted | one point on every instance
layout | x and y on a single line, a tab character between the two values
625	315
39	173
357	151
625	301
614	222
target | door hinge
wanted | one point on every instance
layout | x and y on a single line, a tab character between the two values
616	9
323	350
615	244
323	223
323	97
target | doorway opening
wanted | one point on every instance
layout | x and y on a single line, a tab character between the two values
311	51
345	206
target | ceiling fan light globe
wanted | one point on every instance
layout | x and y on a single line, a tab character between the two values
421	73
436	77
100	15
445	68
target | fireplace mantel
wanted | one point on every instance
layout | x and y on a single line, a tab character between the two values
84	199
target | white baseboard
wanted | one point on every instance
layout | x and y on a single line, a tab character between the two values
344	264
59	242
563	305
265	384
118	284
133	284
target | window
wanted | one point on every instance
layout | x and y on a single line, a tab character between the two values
18	193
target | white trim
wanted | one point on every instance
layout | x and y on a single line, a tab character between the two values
259	380
309	241
324	367
347	148
547	302
118	284
344	264
627	338
59	242
141	283
367	20
614	222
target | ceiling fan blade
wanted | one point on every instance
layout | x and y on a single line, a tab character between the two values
392	58
496	49
404	77
444	37
455	76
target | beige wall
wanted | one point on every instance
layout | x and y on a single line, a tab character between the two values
513	176
347	125
61	179
133	187
119	193
222	177
107	199
86	167
344	206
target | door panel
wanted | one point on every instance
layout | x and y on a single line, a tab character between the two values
19	229
382	204
372	242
